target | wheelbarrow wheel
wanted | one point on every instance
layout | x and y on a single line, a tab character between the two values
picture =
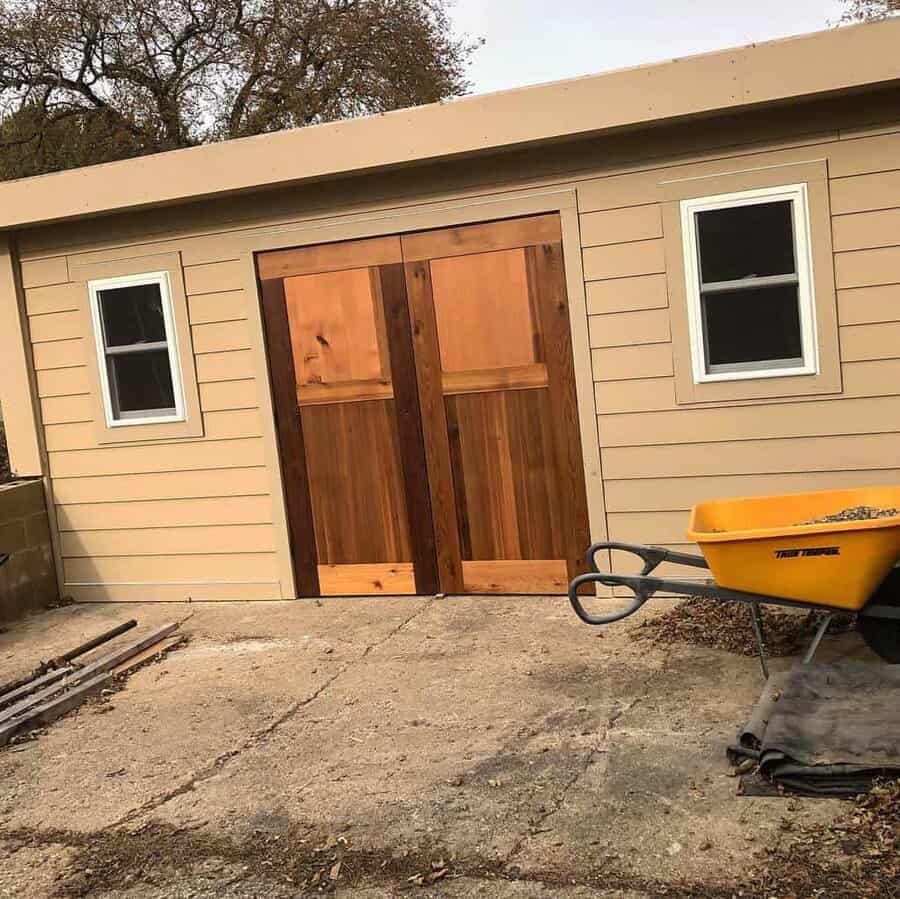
882	635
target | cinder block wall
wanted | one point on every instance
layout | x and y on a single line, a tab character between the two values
28	579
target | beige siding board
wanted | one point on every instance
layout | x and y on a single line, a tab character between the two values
207	308
162	486
864	193
174	457
151	592
620	225
176	569
865	230
648	527
55	326
63	381
172	513
643	257
859	342
629	328
223	395
869	305
70	436
237	365
865	151
624	363
867	268
809	419
53	298
681	494
638	395
41	272
232	423
174	541
844	453
627	294
217	338
62	409
214	277
59	354
879	377
226	425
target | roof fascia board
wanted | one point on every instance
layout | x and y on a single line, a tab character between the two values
826	63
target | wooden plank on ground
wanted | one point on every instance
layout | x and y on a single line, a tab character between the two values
23	710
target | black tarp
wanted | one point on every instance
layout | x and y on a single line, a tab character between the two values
826	730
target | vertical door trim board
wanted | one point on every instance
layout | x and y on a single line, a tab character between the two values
440	214
554	316
284	416
410	434
429	379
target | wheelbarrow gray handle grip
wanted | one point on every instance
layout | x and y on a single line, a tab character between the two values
651	555
642	587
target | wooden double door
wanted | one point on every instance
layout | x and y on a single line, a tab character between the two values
425	404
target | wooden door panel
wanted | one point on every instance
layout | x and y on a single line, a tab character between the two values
483	311
337	328
356	483
507	496
493	343
532	576
389	579
349	434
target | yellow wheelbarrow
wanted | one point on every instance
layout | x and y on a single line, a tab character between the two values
834	550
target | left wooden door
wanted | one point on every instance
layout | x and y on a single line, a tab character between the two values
350	433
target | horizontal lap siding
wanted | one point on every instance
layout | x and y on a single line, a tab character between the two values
659	458
179	519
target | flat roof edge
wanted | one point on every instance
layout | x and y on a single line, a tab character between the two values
810	66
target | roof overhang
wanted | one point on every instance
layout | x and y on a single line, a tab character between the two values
823	64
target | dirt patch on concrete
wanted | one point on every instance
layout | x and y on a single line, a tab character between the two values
856	858
727	626
308	863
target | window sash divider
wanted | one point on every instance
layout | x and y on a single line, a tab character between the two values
749	283
136	348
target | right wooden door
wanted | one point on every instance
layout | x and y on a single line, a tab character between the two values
493	359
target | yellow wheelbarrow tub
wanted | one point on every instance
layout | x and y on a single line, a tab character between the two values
760	545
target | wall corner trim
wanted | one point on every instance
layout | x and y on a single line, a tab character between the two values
18	394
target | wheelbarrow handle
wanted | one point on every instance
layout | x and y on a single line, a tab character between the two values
643	588
651	555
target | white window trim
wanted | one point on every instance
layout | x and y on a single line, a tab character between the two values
162	280
797	195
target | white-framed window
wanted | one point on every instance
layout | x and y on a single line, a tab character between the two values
137	350
751	309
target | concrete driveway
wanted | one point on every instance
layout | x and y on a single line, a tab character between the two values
373	748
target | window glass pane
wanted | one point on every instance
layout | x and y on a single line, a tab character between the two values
141	382
132	314
759	324
746	241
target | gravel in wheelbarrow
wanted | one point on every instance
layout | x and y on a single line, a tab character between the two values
855	513
727	626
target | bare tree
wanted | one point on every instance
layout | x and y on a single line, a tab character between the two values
127	77
869	10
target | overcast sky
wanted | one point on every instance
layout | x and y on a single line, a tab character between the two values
529	41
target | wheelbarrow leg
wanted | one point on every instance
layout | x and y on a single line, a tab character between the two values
817	639
756	618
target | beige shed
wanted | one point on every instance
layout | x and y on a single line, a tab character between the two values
440	350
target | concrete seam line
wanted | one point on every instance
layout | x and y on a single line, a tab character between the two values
260	736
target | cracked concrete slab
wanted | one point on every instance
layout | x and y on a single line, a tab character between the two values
553	758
